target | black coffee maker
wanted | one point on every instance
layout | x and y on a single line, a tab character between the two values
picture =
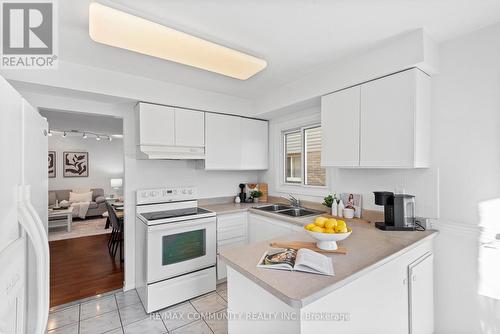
399	211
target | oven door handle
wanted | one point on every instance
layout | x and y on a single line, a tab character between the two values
202	222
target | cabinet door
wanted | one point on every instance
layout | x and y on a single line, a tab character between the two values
231	225
340	128
189	128
254	144
224	245
222	142
157	124
261	228
421	295
387	121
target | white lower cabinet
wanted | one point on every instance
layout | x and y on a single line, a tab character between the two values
262	228
421	294
231	232
394	298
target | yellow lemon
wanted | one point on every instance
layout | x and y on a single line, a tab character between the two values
329	231
309	226
331	223
341	223
317	229
320	221
340	229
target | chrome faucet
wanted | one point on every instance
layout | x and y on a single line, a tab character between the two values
295	202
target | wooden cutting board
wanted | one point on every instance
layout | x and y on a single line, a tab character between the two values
308	245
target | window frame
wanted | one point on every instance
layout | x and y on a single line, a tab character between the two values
303	160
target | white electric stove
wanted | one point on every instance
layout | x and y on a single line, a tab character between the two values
175	247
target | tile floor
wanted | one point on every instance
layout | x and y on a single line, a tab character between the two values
120	312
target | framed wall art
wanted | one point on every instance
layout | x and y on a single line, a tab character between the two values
75	164
52	164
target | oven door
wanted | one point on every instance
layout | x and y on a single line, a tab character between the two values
181	247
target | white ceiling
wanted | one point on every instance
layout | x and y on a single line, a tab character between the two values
294	36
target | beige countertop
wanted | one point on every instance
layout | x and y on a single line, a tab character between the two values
230	207
367	248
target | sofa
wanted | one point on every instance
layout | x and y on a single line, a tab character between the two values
97	206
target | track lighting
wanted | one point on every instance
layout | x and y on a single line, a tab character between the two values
84	134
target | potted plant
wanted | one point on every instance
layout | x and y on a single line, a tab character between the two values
255	194
328	201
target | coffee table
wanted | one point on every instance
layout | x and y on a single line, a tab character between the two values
58	218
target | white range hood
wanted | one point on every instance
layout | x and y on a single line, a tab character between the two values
170	152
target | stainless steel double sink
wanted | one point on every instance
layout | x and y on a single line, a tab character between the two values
289	210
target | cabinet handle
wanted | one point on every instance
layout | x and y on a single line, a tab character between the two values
414	278
404	281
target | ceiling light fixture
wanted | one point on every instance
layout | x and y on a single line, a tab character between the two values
109	138
64	134
50	133
122	30
98	138
84	136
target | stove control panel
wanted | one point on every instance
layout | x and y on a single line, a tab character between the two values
162	195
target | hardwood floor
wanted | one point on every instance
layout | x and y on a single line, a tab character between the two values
82	267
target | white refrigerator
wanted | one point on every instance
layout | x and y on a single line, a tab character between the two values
24	249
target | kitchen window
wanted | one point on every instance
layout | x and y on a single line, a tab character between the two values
302	157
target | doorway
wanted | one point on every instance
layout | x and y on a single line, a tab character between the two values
86	174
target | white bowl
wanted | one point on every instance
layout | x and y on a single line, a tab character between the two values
328	241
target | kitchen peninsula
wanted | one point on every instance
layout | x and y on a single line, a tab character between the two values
384	284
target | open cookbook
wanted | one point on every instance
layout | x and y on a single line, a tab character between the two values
303	259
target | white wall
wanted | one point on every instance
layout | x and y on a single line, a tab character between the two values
105	162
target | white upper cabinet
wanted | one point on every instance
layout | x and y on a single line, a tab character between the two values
170	133
254	144
340	128
235	143
384	123
222	142
189	127
393	130
156	124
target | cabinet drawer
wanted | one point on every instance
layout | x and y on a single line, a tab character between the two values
229	219
231	226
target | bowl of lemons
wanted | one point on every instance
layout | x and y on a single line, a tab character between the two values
327	231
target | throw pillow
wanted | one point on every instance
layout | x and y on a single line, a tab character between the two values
81	190
80	197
